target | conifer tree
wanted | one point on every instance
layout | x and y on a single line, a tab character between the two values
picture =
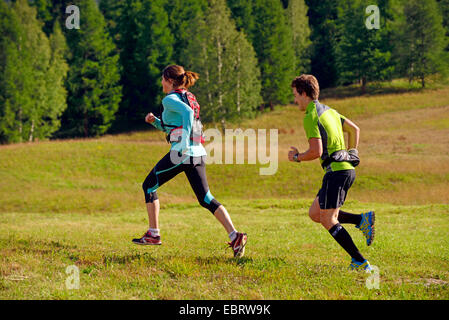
299	24
34	52
444	6
362	53
242	13
144	40
229	84
182	16
56	93
32	73
423	41
10	82
324	36
272	41
45	13
92	81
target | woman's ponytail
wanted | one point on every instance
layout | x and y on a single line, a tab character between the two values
180	77
190	78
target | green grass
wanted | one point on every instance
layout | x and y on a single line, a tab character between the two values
287	255
396	86
79	202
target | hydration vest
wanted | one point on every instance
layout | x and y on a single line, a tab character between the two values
196	134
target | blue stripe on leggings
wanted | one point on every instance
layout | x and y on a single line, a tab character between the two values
153	189
150	190
157	172
208	197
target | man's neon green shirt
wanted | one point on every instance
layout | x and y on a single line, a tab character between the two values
325	123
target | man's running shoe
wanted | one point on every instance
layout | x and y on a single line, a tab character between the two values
356	265
367	226
148	239
238	245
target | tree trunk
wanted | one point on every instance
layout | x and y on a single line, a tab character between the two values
30	139
364	85
20	124
219	67
223	126
209	94
423	61
86	125
238	81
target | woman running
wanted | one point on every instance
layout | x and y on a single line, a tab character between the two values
186	154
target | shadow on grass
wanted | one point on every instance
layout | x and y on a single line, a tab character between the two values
258	263
126	258
33	243
214	260
37	246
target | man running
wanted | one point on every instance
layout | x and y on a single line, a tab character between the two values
325	129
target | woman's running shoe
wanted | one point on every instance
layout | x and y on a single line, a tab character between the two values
148	239
238	245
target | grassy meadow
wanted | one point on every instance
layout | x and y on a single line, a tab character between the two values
80	202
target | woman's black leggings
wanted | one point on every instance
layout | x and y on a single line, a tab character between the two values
170	166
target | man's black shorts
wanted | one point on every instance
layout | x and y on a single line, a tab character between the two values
334	189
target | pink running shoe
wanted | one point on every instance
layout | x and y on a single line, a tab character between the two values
238	245
148	239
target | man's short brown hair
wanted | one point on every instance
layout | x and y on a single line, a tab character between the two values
308	84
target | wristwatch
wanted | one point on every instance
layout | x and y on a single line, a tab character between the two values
295	157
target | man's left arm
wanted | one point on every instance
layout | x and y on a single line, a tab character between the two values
314	152
353	133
